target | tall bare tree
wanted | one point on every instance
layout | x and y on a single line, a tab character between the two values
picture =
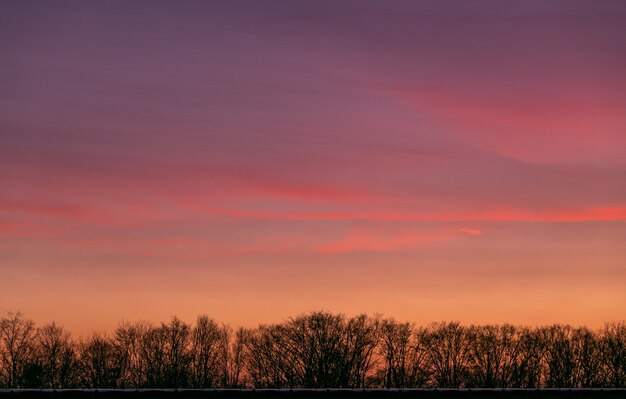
362	339
128	341
447	349
315	350
178	355
613	353
494	353
559	357
153	353
527	372
16	346
268	365
57	356
99	366
207	365
589	373
404	360
237	359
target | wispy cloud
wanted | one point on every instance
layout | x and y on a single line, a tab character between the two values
375	241
472	232
504	215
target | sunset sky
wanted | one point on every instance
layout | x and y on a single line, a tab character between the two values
252	160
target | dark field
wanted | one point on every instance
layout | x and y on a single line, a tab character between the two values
315	393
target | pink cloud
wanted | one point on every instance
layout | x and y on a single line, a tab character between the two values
546	126
381	240
496	215
392	239
93	212
472	232
10	228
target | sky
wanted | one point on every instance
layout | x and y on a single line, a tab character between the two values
425	160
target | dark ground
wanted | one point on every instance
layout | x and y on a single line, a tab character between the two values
314	394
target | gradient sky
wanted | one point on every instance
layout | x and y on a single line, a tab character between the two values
251	160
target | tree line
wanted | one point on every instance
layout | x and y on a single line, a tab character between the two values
313	350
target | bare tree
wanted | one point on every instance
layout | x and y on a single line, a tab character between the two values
178	359
153	353
315	350
403	358
587	352
317	343
236	360
613	353
16	346
207	353
267	363
56	354
394	347
362	339
559	357
98	364
128	341
447	350
527	371
494	353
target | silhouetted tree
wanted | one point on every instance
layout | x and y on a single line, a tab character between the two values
589	373
237	358
16	346
332	351
128	341
404	360
167	353
363	338
315	350
153	352
559	356
99	367
208	358
56	354
314	343
494	353
179	357
267	363
613	353
447	351
527	371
